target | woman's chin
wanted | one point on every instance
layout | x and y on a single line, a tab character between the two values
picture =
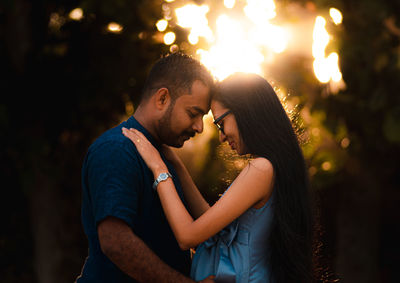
241	152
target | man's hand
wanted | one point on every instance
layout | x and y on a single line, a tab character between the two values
132	255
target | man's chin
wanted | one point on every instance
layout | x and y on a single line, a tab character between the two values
176	144
179	142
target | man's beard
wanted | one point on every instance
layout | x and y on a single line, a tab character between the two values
167	135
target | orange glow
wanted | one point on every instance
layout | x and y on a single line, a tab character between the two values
114	27
76	14
326	166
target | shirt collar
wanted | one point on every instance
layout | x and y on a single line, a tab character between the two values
133	123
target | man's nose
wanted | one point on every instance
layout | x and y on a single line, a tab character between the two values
198	125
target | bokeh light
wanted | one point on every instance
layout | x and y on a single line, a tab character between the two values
326	166
162	25
336	15
247	37
169	38
76	14
345	142
325	68
250	35
114	27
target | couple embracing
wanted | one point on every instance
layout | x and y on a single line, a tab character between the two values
142	212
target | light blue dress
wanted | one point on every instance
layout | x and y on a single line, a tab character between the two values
238	253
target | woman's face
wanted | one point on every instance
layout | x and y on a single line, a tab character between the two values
229	130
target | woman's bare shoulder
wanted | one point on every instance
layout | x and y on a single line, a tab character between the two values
261	163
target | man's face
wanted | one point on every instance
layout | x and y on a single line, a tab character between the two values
184	119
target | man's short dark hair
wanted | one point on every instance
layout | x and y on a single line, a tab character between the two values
177	72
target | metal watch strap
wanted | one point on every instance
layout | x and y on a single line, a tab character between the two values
162	177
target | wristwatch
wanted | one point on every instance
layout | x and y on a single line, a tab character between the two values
162	177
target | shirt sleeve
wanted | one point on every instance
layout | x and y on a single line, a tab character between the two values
114	181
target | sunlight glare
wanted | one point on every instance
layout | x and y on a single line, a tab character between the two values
194	17
321	70
333	61
193	39
260	11
336	16
229	3
320	37
325	68
239	44
274	37
231	52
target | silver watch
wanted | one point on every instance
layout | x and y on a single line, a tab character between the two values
162	177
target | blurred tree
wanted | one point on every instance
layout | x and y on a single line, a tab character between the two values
65	79
364	122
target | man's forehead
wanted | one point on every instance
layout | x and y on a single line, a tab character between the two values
198	104
198	99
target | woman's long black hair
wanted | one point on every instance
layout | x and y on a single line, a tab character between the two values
267	131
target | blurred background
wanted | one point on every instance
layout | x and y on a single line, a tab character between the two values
72	69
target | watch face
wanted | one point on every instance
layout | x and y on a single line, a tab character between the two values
163	176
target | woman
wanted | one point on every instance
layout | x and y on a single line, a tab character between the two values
260	229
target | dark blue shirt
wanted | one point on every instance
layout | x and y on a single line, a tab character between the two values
117	182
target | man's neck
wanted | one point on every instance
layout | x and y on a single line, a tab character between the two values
142	116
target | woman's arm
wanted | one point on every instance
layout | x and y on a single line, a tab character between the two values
252	185
196	202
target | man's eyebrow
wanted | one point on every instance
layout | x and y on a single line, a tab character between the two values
198	109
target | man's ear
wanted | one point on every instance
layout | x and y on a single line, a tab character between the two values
162	98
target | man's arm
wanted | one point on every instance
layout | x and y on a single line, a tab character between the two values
132	255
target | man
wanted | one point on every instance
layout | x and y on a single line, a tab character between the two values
129	237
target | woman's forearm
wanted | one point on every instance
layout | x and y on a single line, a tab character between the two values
196	202
178	217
